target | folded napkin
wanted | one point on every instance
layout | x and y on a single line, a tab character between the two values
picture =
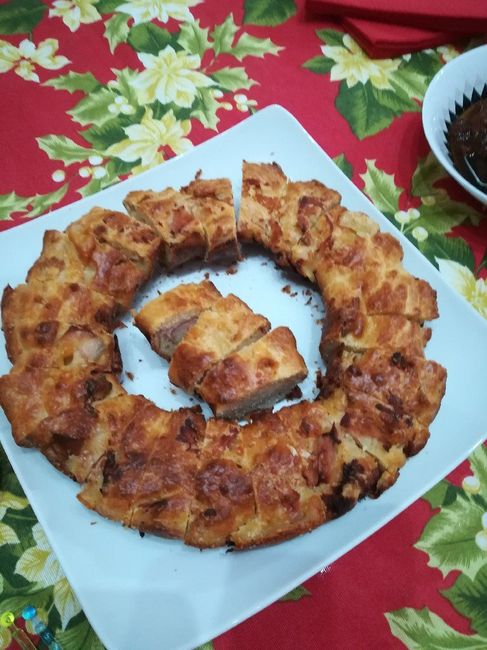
383	40
467	16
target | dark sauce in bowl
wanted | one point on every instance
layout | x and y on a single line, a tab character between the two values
467	141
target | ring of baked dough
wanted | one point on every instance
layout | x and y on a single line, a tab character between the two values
290	471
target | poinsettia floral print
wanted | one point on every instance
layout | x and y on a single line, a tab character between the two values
353	66
139	117
145	140
373	92
74	13
143	11
23	59
429	222
455	539
39	565
166	73
170	77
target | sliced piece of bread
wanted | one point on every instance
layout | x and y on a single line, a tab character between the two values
255	377
165	320
228	325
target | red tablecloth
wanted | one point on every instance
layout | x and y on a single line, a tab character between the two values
68	101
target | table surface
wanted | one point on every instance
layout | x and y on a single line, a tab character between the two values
76	76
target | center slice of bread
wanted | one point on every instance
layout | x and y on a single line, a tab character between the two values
165	320
226	327
255	377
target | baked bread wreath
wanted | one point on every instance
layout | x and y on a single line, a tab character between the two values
220	481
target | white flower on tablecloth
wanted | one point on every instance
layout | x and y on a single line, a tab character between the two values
75	12
23	59
143	11
404	217
58	175
471	484
5	637
145	140
354	66
170	77
9	500
39	564
463	280
242	102
481	540
121	105
419	233
448	52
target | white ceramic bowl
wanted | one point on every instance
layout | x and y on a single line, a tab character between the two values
454	82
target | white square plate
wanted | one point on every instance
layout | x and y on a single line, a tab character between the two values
155	593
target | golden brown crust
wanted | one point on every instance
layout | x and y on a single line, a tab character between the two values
212	203
166	319
224	500
136	241
219	331
197	222
350	268
146	477
407	385
285	505
79	346
169	214
381	431
224	497
59	261
112	484
40	402
107	270
34	315
307	217
333	463
119	270
166	487
290	219
356	331
116	275
263	194
218	189
170	473
255	377
112	414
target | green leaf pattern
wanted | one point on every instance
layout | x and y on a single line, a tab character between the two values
268	12
116	30
112	115
420	629
31	573
449	538
373	92
429	222
137	106
193	38
469	598
20	16
296	594
455	539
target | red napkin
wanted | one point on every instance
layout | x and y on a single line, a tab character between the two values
467	16
383	40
